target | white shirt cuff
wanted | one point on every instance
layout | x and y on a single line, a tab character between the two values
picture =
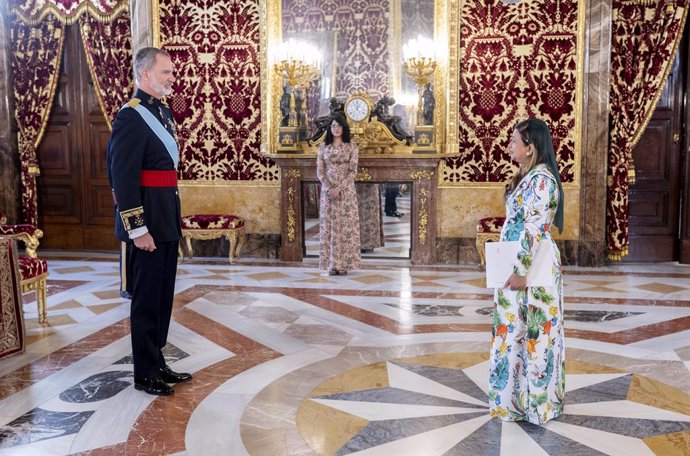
138	232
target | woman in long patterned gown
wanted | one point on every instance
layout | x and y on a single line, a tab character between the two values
527	360
338	215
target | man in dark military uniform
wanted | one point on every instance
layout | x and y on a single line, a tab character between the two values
142	159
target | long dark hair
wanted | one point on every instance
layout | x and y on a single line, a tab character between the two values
536	132
342	121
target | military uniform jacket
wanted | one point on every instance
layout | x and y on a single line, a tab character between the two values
134	147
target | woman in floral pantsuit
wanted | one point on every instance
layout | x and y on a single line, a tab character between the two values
527	370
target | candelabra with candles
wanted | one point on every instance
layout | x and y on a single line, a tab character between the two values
299	65
419	64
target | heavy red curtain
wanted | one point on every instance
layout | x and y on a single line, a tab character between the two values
36	51
108	46
37	36
645	36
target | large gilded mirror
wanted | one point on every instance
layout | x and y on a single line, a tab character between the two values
360	45
360	48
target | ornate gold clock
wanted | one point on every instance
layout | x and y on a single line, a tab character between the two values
357	108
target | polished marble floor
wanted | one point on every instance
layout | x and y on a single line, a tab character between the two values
389	360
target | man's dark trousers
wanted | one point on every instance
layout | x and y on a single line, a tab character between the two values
154	289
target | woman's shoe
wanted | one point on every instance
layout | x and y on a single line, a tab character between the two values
342	272
332	272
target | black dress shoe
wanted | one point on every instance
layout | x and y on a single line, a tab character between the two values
397	214
126	295
155	386
170	376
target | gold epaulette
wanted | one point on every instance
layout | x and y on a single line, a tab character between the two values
134	102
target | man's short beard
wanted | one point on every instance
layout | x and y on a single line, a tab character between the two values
161	89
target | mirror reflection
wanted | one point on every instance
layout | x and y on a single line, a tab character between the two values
384	214
354	43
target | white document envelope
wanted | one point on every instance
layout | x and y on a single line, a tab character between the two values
500	257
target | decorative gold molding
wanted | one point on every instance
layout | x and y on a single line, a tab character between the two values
156	23
421	174
363	175
292	175
228	184
423	217
73	16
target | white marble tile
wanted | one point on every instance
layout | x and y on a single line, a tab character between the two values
118	415
404	379
514	438
577	381
250	328
377	411
214	428
479	374
431	443
605	442
58	446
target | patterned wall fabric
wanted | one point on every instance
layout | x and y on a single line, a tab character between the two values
643	46
35	51
108	46
216	102
66	10
516	61
360	29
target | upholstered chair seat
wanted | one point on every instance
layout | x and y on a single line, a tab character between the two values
214	226
488	230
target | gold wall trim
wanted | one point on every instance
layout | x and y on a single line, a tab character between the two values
423	217
156	23
73	16
579	89
217	183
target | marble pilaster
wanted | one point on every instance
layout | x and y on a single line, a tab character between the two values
9	155
595	133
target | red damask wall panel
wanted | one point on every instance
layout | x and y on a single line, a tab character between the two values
216	100
516	61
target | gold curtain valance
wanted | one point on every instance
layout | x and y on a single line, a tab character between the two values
67	11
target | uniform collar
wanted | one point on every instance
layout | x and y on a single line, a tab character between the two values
146	99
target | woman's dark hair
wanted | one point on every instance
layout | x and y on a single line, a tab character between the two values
342	121
536	132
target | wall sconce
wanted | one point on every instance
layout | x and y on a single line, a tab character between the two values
419	63
299	64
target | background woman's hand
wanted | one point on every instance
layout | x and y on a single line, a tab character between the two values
516	282
334	193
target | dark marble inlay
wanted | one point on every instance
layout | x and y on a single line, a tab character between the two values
430	310
39	424
612	390
380	432
485	441
98	387
556	444
452	378
172	354
597	316
396	396
632	427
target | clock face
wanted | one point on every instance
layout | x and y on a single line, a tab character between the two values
357	109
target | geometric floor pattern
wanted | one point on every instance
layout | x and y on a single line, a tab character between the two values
388	360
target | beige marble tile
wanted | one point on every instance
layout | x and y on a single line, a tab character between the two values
326	429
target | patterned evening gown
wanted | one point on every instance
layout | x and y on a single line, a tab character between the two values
338	219
527	373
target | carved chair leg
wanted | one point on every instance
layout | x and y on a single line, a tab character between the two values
232	238
188	239
41	301
180	252
240	244
480	250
